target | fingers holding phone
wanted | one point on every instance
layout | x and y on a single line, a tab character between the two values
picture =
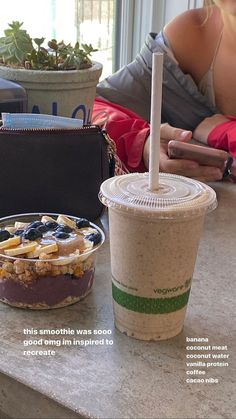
204	156
168	133
187	167
184	166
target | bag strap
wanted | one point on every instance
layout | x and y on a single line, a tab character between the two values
116	166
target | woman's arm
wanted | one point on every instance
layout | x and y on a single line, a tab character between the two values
130	133
181	167
218	131
203	130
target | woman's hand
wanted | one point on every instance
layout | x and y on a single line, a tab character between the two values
233	171
182	167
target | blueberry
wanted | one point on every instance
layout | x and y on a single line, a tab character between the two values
19	232
52	225
32	234
94	237
42	228
35	224
4	235
64	229
82	222
61	235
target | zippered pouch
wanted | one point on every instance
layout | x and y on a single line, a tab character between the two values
34	120
54	169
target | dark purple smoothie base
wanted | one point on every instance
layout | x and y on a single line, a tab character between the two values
47	290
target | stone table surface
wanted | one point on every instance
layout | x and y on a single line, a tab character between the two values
131	378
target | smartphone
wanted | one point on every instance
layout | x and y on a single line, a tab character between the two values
203	155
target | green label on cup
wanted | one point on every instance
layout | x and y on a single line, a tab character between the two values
149	305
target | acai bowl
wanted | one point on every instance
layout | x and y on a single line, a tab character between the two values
47	260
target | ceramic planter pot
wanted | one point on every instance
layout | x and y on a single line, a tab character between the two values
66	93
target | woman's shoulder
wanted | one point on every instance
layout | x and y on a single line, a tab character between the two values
192	35
190	19
187	28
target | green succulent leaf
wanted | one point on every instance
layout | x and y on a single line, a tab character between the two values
18	44
39	41
15	25
88	48
16	48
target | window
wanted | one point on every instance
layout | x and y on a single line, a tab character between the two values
117	28
89	21
139	17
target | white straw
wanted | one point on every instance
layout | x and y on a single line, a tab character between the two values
155	120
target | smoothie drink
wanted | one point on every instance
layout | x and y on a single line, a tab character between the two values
154	239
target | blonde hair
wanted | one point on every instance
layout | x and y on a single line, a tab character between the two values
208	4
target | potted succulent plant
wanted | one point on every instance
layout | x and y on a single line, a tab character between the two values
59	80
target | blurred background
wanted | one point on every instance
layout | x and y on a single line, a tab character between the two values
117	28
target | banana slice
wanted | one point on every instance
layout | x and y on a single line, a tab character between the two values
11	229
88	245
35	253
63	260
87	230
21	250
19	224
46	218
62	219
50	248
13	241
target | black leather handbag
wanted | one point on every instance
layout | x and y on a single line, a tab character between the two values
54	170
